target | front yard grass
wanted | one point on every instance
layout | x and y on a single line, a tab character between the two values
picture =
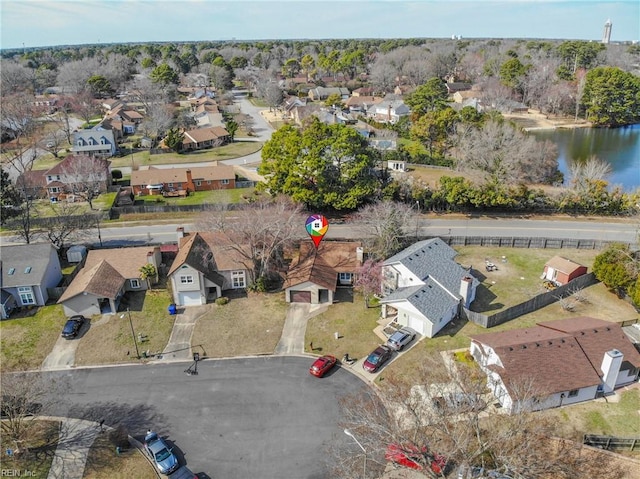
36	460
250	325
110	341
104	463
235	195
28	337
353	322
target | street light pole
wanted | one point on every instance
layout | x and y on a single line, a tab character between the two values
364	468
133	334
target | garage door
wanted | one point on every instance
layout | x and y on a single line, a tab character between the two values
416	324
300	296
191	298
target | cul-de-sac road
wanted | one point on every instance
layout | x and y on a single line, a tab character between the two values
242	418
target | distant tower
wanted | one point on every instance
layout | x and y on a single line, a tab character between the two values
606	36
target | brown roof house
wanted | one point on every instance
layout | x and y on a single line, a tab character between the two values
562	270
199	178
106	276
206	265
556	362
316	273
208	137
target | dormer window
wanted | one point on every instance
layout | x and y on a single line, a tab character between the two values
103	141
27	270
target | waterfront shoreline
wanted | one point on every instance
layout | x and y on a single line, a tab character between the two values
535	120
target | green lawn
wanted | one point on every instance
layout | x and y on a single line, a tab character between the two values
27	338
236	195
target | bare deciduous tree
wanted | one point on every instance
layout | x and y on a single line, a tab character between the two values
65	221
442	410
385	224
591	170
506	155
85	176
259	233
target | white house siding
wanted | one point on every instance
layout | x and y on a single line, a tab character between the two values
626	376
584	394
84	304
406	277
408	315
190	288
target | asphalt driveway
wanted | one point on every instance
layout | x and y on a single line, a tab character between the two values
244	418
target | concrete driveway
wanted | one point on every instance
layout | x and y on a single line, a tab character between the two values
63	354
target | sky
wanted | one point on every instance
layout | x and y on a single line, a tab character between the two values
35	23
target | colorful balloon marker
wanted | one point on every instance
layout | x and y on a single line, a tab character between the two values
317	226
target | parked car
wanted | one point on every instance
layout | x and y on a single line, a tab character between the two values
322	365
183	473
160	453
414	457
377	358
72	326
398	340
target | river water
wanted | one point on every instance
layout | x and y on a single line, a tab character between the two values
620	147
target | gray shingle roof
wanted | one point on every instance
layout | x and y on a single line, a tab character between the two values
22	257
429	298
433	259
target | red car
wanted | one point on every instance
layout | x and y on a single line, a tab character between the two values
411	456
322	365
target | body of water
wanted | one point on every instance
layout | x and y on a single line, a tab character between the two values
620	147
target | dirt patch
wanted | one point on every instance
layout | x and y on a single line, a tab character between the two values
535	120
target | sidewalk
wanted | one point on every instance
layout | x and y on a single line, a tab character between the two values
70	458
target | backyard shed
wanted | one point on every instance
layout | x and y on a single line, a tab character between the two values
562	270
76	253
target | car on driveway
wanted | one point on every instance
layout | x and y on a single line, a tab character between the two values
72	326
160	453
398	340
322	365
413	457
377	358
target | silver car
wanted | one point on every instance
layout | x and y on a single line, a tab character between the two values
398	340
162	455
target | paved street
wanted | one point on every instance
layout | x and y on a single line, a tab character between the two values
282	417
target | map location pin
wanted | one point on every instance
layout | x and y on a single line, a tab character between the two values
317	226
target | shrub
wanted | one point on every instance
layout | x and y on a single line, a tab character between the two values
222	301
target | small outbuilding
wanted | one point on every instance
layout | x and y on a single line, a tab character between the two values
76	253
561	270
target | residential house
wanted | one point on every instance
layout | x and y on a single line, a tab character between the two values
207	264
561	270
76	171
94	142
361	103
316	273
365	91
200	178
106	276
388	111
200	138
322	93
453	87
424	288
27	272
110	104
556	363
46	103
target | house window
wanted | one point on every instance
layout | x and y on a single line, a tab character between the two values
27	270
135	283
573	393
11	271
54	189
238	279
345	277
170	185
102	141
179	185
224	182
26	295
208	182
186	279
198	183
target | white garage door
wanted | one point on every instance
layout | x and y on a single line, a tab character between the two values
191	298
416	324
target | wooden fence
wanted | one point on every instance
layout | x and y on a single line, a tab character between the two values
535	303
514	242
612	443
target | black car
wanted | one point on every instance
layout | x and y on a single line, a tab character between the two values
72	326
